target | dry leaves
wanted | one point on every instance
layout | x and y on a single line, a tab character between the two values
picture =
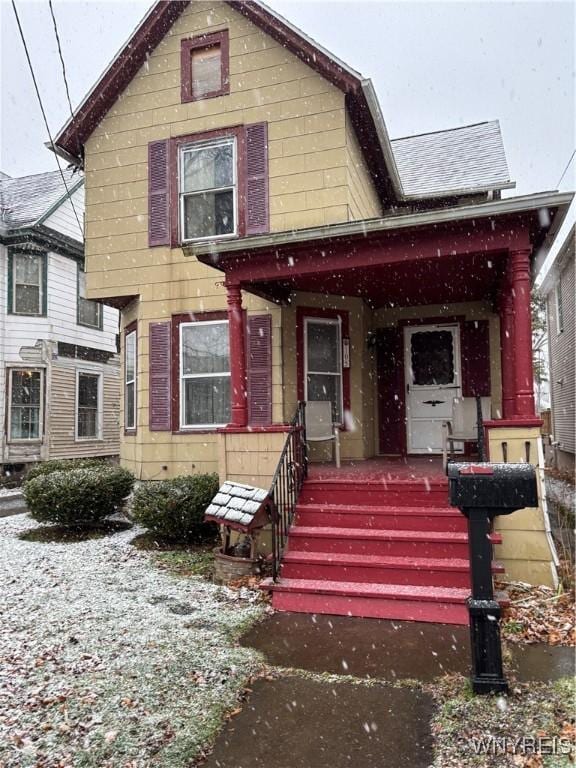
538	615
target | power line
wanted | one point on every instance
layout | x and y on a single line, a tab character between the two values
43	111
565	169
61	58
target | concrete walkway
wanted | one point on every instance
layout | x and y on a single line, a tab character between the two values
293	722
302	721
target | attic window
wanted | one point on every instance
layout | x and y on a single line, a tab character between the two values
204	67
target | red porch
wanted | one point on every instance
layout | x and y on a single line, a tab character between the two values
424	309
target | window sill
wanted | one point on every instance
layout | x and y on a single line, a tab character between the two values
198	430
88	439
27	314
90	327
25	441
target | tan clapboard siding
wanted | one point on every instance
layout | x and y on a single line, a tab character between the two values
364	201
316	177
562	354
63	414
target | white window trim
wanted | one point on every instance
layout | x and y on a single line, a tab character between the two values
559	306
183	377
100	414
181	195
26	440
337	321
130	381
40	313
79	298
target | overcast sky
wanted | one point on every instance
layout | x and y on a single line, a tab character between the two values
435	65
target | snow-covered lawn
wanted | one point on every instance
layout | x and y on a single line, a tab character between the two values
107	661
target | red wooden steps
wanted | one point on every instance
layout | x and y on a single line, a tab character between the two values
437	572
393	517
376	548
390	601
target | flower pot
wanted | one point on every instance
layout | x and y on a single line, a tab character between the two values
229	568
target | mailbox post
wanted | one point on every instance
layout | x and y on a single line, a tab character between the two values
482	492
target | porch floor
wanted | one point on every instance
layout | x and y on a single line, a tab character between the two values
382	468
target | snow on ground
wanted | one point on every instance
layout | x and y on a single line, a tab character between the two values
108	661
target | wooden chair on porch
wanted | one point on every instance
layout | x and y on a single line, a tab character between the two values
320	427
468	415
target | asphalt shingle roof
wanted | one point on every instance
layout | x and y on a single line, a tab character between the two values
24	200
454	161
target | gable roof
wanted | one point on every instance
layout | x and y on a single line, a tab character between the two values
394	178
26	200
444	163
560	252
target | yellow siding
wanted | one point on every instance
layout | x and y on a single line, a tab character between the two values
363	199
313	168
525	550
63	444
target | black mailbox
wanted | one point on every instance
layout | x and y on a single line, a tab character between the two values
498	488
482	492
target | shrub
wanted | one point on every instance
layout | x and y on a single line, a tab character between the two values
78	497
173	510
64	465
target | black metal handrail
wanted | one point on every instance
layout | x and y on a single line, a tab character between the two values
287	482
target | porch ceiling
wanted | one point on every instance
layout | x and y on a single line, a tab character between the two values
469	277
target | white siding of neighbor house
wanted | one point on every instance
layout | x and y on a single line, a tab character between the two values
33	341
562	351
63	219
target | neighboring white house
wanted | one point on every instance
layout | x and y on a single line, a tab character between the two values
559	288
59	365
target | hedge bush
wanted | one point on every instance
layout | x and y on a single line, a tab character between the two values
64	465
77	497
173	510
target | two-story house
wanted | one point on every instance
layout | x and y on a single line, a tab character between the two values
267	243
59	366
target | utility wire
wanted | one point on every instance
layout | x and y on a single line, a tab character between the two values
61	58
565	169
43	111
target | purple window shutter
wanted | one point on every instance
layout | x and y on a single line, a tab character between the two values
160	373
256	178
158	194
475	358
259	369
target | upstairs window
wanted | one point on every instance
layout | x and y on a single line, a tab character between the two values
204	67
208	189
25	412
27	280
89	313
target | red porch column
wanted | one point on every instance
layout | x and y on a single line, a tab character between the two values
507	351
520	284
237	355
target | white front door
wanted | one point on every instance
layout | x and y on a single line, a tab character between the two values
432	365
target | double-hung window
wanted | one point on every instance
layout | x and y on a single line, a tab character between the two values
27	275
25	404
323	373
88	407
89	312
208	189
130	381
204	374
